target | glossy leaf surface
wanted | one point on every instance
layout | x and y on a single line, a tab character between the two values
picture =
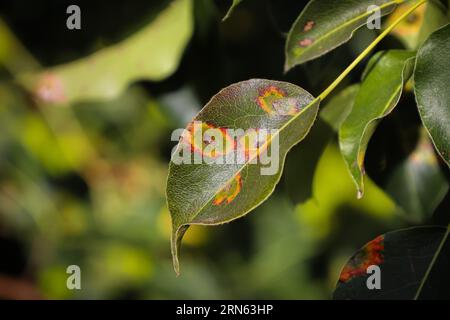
379	94
432	79
326	24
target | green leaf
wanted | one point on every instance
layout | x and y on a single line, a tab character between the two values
431	81
378	96
326	24
212	194
404	257
153	53
339	107
417	184
303	158
230	11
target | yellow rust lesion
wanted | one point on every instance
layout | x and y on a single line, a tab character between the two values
229	192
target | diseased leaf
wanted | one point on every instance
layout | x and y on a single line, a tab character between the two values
326	24
431	87
420	24
303	158
212	194
417	184
230	11
153	53
378	96
403	258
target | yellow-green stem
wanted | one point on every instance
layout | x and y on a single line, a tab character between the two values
338	80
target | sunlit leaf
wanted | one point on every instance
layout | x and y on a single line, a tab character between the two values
378	96
153	53
420	24
403	258
210	193
325	24
303	159
432	78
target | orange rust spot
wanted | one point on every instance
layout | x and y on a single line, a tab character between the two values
267	95
50	88
252	144
200	138
305	42
309	25
371	254
229	192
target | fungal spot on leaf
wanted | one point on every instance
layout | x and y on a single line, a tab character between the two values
305	42
308	26
208	140
371	254
50	89
267	96
287	106
229	192
253	143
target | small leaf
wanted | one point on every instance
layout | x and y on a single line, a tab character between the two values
378	96
431	87
403	258
212	194
303	158
417	184
153	53
230	11
326	24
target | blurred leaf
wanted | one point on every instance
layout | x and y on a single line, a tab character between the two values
435	18
231	9
326	24
214	193
403	257
303	158
12	54
432	76
151	54
417	184
333	190
420	24
378	96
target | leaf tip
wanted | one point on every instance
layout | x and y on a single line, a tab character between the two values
177	236
359	194
287	67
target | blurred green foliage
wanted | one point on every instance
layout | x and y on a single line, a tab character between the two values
83	183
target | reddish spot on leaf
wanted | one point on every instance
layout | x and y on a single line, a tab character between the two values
308	26
305	42
371	254
267	96
229	192
50	89
200	135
